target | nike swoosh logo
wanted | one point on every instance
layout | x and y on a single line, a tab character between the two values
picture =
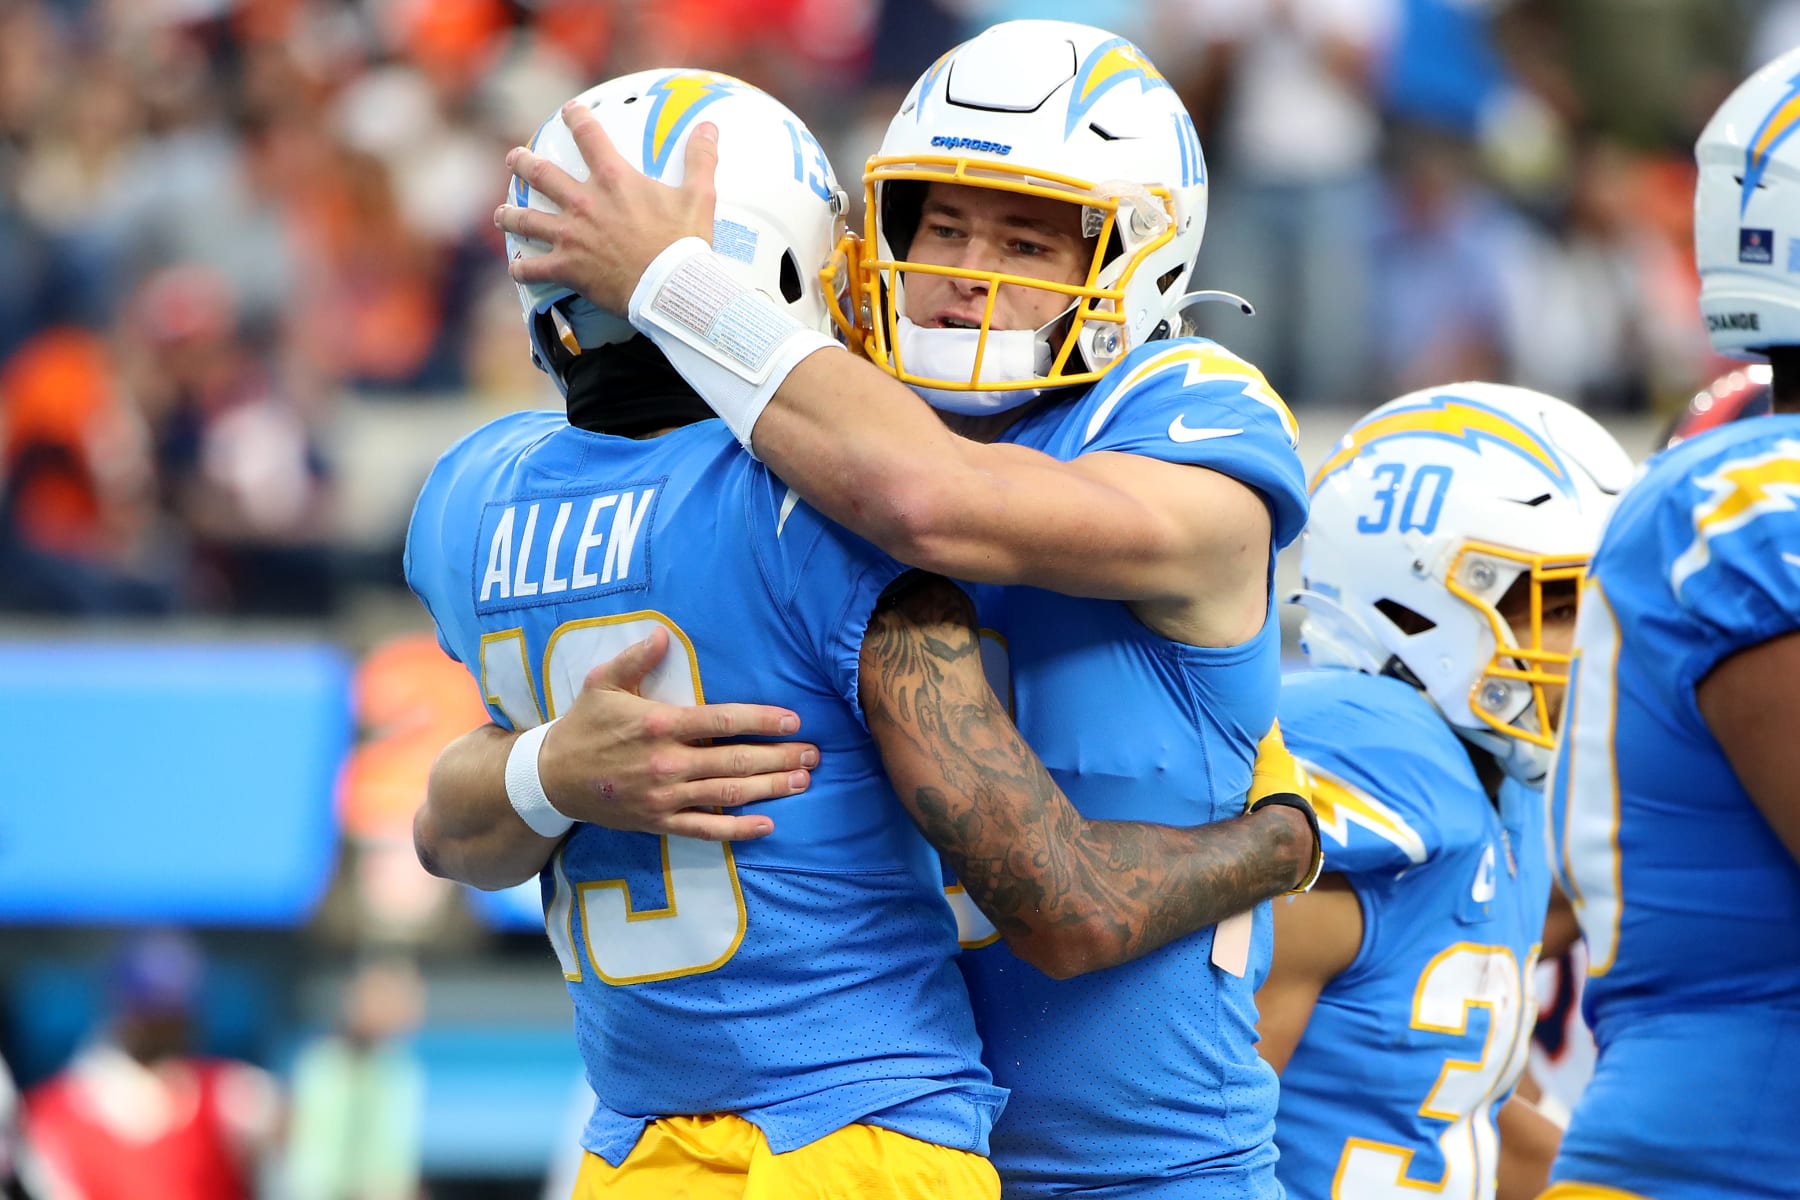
1792	560
1180	432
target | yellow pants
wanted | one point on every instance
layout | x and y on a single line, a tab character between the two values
1587	1191
724	1157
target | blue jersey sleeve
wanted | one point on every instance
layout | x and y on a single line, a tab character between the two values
1729	532
1382	763
823	578
1192	401
439	559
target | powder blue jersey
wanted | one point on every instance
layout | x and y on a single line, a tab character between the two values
1689	903
1409	1052
804	981
1142	1080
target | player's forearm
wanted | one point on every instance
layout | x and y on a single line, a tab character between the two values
1167	882
1069	895
1072	895
865	451
1528	1144
467	829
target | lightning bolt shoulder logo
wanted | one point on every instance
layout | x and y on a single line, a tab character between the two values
1452	419
1740	491
1340	804
675	100
1780	122
1108	65
1201	362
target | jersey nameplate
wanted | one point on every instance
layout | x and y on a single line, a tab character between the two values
560	548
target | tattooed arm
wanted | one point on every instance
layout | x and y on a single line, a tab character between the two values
1070	895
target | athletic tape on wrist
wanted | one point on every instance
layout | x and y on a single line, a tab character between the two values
733	344
526	790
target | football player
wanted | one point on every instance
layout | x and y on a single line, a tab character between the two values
780	1018
1033	217
1442	559
1674	804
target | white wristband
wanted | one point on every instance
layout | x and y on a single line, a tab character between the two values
732	343
526	790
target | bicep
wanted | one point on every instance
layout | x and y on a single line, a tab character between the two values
1316	939
1752	708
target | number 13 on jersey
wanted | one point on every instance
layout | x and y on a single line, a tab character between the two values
701	921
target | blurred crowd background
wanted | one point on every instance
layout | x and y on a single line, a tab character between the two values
250	287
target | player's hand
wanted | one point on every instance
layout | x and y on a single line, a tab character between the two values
619	760
613	225
1277	773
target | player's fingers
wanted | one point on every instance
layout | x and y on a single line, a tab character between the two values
537	268
544	177
749	758
625	670
717	827
701	163
597	149
530	223
704	721
748	789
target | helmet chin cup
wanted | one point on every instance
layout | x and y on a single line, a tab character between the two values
1004	356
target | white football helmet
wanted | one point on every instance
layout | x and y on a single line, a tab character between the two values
1423	516
1747	213
1050	109
778	227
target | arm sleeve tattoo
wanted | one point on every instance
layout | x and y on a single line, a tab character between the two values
1069	894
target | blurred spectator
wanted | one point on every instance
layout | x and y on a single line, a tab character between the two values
1293	154
1444	69
1605	309
135	1116
1776	31
77	523
1647	73
238	459
330	167
359	1094
411	701
12	1146
1442	249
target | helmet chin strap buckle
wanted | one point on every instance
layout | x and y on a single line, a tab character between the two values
1194	299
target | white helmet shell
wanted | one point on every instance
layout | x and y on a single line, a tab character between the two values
777	228
1057	109
1747	214
1423	516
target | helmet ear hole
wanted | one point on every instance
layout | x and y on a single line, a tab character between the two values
1408	621
791	290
